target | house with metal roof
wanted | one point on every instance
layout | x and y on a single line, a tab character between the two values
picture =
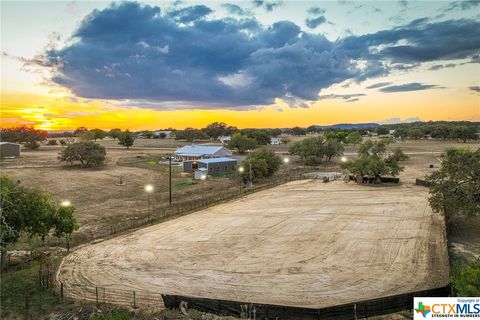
211	166
197	152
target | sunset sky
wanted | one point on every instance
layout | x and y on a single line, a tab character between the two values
152	65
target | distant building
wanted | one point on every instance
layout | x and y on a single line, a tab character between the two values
168	133
275	140
200	174
224	139
391	132
211	166
9	150
197	152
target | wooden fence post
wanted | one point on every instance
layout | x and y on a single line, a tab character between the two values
96	294
27	305
134	301
61	290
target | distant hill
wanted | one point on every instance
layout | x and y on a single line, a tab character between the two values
350	125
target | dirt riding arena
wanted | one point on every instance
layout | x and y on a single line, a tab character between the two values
305	243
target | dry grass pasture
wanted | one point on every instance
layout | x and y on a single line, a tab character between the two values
304	243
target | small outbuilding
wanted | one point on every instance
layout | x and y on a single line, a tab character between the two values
9	150
211	166
275	140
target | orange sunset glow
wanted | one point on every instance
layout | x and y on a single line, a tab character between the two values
41	93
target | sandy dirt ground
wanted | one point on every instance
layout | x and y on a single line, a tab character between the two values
304	243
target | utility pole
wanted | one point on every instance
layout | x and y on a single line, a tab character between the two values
148	206
170	178
250	173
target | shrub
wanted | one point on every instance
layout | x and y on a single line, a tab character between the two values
312	161
466	279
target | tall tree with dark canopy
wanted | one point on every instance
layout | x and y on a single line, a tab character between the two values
31	212
455	187
86	153
126	139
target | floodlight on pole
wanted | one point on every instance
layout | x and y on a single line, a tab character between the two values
343	159
149	189
203	177
241	169
65	203
286	160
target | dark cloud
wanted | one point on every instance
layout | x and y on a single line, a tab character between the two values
414	86
136	52
462	5
315	17
342	96
446	40
378	85
442	66
267	5
315	22
235	9
190	14
352	100
475	88
316	11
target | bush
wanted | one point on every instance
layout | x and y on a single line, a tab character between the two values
263	163
87	153
32	145
466	279
312	161
52	142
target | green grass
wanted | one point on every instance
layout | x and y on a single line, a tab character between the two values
184	184
21	284
152	162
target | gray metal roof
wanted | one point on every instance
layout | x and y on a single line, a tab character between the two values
197	150
216	160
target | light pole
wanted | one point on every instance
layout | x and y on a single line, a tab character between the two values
250	172
241	170
286	160
203	177
66	204
344	159
148	190
170	179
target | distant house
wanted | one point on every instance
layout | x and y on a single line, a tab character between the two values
211	166
275	140
9	150
391	132
168	133
197	152
224	139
